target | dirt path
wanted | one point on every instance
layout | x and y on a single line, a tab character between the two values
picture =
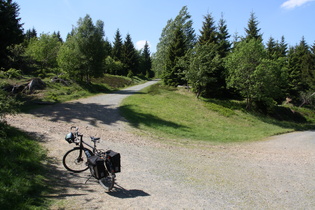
277	173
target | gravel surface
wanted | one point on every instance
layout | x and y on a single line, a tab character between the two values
276	173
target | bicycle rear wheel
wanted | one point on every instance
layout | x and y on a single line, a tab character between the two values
75	160
108	182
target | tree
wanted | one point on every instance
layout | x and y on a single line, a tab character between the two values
208	34
183	20
301	69
250	72
173	74
44	51
130	57
11	29
223	38
30	34
252	30
146	62
203	66
83	53
117	47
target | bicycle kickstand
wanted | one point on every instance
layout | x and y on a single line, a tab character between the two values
90	176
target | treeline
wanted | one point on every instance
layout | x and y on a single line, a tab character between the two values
85	53
214	66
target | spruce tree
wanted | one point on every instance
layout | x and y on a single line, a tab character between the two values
174	74
11	29
252	30
208	34
130	57
30	33
301	70
223	38
283	47
146	62
183	20
117	47
271	47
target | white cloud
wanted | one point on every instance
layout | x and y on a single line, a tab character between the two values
290	4
140	44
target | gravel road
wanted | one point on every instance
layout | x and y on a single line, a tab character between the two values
276	173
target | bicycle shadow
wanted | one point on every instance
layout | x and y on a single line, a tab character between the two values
120	192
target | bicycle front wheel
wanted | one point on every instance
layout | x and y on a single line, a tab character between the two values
108	182
75	160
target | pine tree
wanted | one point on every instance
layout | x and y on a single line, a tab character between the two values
174	74
252	30
301	70
117	47
183	20
57	34
208	34
146	63
223	38
30	33
11	29
130	57
283	47
271	47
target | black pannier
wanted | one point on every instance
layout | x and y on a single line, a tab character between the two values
114	159
97	167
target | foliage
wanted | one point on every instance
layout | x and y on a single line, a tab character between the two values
182	20
252	30
8	105
23	177
301	67
44	50
208	33
114	67
256	77
13	73
204	62
117	52
11	29
130	57
146	62
83	53
173	74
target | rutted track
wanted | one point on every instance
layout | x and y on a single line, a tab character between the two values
277	173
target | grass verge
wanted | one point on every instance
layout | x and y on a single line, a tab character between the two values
22	174
171	113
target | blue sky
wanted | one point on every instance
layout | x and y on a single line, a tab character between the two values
145	19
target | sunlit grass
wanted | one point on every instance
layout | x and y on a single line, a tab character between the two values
22	174
176	114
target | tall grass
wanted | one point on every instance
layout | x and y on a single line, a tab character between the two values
22	175
177	114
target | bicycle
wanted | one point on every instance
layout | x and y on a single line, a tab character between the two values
103	165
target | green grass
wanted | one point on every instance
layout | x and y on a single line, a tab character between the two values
22	174
169	113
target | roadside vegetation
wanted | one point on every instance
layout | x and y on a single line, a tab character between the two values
24	180
172	113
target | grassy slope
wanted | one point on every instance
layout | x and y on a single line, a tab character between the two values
178	114
22	174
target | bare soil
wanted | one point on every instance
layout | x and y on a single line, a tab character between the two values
276	173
